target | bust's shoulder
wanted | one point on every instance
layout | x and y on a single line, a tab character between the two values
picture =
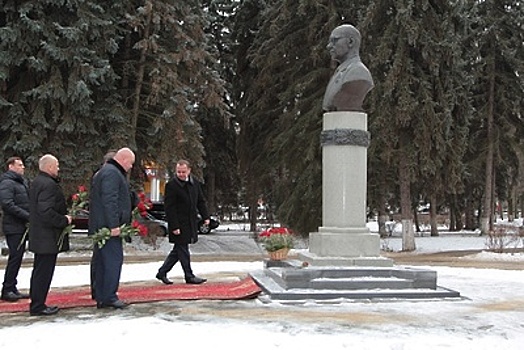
355	69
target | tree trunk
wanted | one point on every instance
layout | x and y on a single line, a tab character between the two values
487	213
433	214
522	207
382	215
211	190
470	223
253	215
140	74
408	236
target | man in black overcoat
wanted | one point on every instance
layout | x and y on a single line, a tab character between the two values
47	220
183	201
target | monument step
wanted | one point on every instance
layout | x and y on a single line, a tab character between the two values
361	283
291	274
274	289
294	281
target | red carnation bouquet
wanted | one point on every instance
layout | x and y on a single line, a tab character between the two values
276	238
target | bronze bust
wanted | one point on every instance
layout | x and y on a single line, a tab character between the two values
352	80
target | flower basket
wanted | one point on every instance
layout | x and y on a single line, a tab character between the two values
277	241
280	254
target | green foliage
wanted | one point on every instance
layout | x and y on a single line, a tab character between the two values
420	92
79	78
283	71
222	82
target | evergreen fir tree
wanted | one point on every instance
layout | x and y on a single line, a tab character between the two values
222	183
287	67
414	114
56	82
498	95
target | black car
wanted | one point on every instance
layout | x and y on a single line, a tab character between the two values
81	221
157	211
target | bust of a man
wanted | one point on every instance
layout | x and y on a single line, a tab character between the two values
352	80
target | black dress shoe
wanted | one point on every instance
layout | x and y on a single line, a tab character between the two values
118	304
11	297
22	295
163	278
195	280
48	311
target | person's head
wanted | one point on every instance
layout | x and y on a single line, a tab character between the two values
125	157
344	42
49	164
183	169
16	164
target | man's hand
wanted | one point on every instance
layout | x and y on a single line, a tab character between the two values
176	232
115	232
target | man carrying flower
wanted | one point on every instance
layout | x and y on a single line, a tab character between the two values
109	208
47	219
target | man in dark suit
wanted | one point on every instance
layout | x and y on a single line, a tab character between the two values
183	200
110	207
47	219
14	199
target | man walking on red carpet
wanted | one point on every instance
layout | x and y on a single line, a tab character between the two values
184	200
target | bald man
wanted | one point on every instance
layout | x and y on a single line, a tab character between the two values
47	219
110	207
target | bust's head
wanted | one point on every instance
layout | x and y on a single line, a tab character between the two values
344	43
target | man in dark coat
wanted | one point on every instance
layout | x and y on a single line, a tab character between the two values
14	198
110	207
109	155
183	200
47	220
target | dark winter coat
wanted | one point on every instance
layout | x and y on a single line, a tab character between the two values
110	199
47	210
183	201
14	199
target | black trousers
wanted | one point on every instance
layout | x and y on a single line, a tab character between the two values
109	260
180	252
14	261
43	271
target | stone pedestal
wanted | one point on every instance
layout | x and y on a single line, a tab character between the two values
343	260
343	238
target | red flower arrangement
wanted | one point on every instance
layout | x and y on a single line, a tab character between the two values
144	204
127	231
276	238
79	201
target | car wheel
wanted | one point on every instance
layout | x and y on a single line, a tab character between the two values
203	229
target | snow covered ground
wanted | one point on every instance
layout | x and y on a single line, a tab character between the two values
489	315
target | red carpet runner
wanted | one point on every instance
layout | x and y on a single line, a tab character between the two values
243	289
